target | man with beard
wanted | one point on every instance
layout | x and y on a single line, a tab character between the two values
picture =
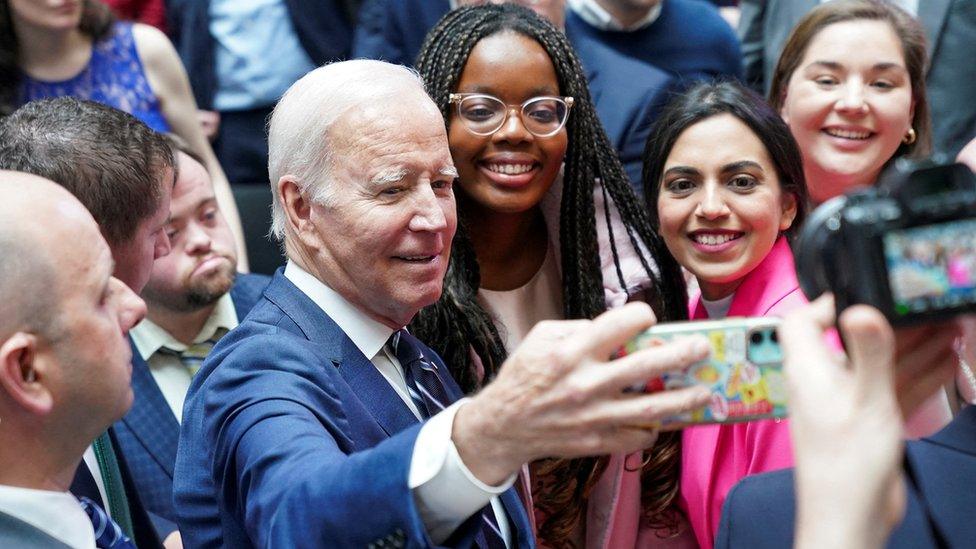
193	298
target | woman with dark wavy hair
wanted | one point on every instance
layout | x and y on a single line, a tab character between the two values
724	184
549	229
78	49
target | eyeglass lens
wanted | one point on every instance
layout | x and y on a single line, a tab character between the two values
484	115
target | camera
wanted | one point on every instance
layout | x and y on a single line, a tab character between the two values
906	246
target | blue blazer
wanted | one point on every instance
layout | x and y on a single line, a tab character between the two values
760	511
324	29
628	94
148	434
292	438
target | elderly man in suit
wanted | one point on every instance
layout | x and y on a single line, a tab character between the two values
320	421
122	171
627	93
194	297
64	363
950	26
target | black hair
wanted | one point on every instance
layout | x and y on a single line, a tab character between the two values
708	99
457	324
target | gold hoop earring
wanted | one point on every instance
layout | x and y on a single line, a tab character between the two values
910	137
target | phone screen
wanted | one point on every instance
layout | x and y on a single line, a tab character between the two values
932	267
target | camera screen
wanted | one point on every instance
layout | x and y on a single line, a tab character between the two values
932	267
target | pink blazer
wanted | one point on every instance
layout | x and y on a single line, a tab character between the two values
715	457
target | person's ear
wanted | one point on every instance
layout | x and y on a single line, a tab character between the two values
789	211
782	109
297	207
22	376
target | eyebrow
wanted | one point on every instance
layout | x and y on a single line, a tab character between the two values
682	170
741	165
534	92
449	171
834	65
387	177
728	168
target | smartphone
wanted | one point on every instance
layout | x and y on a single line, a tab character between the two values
744	371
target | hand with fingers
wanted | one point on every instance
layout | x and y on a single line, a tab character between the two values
845	421
560	395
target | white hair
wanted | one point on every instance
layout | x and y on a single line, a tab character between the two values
298	133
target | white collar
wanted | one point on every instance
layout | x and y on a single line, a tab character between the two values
596	16
367	334
149	337
57	514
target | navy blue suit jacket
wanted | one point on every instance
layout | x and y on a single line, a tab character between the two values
628	94
760	511
149	432
324	30
292	438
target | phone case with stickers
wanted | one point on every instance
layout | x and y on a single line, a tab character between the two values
744	371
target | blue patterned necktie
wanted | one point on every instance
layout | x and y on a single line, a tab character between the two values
108	535
429	394
193	356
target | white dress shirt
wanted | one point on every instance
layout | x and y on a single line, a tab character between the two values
169	373
594	14
58	514
446	491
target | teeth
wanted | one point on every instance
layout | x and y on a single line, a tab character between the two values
510	169
417	257
714	239
848	134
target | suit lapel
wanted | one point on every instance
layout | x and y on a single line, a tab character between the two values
932	14
151	419
376	394
374	391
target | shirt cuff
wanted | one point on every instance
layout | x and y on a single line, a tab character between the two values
446	492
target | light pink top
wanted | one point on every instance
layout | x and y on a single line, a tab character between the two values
715	457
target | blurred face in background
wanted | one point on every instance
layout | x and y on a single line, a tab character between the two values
849	105
46	14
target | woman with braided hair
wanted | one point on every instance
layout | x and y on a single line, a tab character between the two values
549	229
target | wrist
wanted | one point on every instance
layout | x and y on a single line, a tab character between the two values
478	434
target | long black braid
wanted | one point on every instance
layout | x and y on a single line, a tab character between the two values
457	324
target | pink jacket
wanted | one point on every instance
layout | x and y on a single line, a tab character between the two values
715	457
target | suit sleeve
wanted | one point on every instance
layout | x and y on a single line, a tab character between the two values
750	33
284	465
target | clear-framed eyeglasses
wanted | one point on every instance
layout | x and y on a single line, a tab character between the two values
484	114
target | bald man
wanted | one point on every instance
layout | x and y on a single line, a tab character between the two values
64	361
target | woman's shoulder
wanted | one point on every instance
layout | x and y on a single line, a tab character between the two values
154	48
